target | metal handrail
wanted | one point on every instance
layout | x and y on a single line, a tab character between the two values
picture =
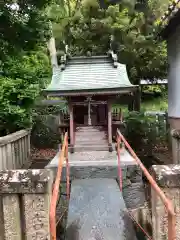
55	194
167	202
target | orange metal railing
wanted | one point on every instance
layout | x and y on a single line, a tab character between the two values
167	202
55	194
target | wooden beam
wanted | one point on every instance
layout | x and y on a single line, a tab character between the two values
57	93
131	103
48	102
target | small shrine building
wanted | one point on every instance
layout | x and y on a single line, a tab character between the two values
91	85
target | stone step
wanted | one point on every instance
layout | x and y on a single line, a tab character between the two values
82	148
90	143
97	139
89	129
98	164
93	133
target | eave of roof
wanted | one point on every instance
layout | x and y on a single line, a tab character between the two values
110	91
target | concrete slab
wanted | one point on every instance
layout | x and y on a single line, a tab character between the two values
98	164
97	211
94	158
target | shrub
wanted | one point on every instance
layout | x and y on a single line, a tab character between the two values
141	132
43	135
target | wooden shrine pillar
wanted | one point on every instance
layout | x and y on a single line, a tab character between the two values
131	103
137	100
71	125
109	106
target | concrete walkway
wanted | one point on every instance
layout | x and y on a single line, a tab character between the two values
97	211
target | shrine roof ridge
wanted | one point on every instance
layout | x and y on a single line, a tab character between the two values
89	74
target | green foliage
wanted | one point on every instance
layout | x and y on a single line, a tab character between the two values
138	133
24	65
45	132
143	132
90	28
23	78
22	24
42	136
49	110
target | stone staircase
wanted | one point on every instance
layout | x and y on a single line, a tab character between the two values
90	138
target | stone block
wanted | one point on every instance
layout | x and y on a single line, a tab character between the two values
25	181
36	216
142	215
134	195
167	175
25	204
11	217
167	178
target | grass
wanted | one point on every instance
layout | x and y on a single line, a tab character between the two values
157	104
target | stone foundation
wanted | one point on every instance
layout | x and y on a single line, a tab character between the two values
24	204
168	179
175	133
175	138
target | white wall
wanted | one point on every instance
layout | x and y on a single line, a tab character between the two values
173	45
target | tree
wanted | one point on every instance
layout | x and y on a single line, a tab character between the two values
133	30
22	24
24	63
60	14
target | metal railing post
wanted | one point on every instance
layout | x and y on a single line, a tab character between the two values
166	201
55	193
119	163
67	173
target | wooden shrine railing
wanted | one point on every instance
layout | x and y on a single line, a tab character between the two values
117	114
56	187
167	202
15	150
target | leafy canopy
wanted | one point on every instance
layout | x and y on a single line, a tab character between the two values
24	65
85	26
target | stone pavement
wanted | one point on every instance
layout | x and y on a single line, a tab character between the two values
97	211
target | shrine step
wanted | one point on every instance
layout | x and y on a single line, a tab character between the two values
90	129
88	147
91	141
91	137
99	164
92	133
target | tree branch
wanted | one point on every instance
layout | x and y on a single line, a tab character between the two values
69	7
77	6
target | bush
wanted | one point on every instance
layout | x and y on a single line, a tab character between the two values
45	131
43	135
141	132
20	84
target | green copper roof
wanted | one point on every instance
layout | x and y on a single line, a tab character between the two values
89	73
